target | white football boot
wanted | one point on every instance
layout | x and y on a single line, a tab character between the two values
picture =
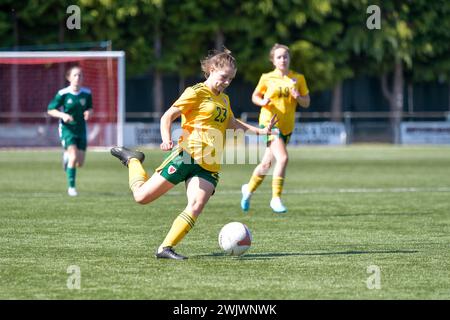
72	192
245	201
277	206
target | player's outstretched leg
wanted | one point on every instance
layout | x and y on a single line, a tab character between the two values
125	154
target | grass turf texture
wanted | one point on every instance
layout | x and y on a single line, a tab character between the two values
348	208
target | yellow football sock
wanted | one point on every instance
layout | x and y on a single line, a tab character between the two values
137	174
277	186
254	182
180	227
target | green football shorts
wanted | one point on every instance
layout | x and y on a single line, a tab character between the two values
69	138
179	166
270	138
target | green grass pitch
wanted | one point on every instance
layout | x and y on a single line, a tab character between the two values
349	208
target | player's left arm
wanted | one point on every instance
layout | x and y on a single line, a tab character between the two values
88	112
304	101
300	93
238	124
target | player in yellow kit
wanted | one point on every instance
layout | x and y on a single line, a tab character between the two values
277	93
205	115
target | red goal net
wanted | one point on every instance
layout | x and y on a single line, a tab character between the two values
29	82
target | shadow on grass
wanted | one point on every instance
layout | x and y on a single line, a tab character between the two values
273	255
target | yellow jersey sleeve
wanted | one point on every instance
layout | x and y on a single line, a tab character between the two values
262	85
302	87
187	101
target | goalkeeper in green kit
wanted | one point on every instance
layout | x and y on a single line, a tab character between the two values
73	106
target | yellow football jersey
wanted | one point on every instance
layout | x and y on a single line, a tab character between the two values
276	87
204	120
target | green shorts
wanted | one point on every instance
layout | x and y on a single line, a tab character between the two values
69	138
179	166
270	138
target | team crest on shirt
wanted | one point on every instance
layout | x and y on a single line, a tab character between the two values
83	102
70	100
171	169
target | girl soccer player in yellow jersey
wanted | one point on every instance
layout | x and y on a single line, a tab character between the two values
277	93
205	115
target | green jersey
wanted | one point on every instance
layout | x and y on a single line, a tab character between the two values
74	104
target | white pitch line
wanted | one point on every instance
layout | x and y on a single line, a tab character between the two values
374	190
287	191
343	190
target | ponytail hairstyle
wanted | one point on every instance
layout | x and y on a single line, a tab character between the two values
218	60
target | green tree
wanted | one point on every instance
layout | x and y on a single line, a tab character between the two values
383	50
412	45
431	44
312	30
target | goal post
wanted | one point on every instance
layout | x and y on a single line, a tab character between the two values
29	80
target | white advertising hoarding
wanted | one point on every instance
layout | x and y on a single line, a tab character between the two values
323	133
425	132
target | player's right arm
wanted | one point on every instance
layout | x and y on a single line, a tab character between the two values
60	115
258	94
166	126
53	111
259	100
185	103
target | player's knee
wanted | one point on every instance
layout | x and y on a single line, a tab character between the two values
196	208
74	158
141	200
140	197
265	165
283	159
72	163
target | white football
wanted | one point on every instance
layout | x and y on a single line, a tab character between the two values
235	238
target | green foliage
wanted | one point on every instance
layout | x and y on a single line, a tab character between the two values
329	38
431	41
